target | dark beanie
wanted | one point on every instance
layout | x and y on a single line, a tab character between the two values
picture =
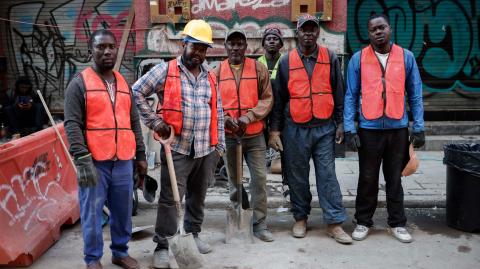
272	31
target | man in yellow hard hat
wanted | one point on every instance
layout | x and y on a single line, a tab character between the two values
189	102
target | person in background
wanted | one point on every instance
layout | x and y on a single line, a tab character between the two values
272	43
381	78
105	137
26	114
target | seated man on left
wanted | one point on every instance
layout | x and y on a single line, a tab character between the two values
25	115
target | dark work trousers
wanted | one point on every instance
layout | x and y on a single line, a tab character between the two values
193	176
389	148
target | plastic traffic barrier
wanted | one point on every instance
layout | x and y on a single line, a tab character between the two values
38	194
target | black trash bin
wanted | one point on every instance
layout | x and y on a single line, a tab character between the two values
463	186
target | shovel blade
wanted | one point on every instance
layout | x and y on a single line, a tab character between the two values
185	250
239	226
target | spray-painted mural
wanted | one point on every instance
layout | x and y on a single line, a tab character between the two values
253	16
47	40
443	35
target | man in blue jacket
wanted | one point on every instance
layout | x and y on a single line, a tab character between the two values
380	78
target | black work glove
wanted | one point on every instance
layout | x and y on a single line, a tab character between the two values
417	139
352	141
86	172
339	136
231	124
243	121
162	130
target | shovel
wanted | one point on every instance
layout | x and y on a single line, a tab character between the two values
239	221
181	244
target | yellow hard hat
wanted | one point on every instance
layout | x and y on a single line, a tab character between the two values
200	30
412	164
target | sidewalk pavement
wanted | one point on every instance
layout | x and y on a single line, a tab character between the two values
424	189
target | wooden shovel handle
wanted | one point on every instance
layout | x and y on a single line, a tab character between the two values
171	169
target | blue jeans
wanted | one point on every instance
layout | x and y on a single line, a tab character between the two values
300	144
253	149
115	186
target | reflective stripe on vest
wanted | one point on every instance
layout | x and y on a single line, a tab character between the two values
310	98
108	130
273	74
171	109
382	91
237	100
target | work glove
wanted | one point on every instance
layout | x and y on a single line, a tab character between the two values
231	124
352	141
243	121
87	175
339	134
162	130
417	139
274	141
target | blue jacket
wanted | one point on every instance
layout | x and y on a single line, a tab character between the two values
413	87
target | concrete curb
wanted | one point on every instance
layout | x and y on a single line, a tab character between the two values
222	202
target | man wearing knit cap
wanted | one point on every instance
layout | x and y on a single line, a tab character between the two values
308	117
272	42
247	99
189	102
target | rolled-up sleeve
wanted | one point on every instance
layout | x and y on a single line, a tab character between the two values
150	83
221	147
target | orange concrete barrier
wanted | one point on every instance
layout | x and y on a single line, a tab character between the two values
38	194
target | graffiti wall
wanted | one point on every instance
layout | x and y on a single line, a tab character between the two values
443	35
253	16
47	40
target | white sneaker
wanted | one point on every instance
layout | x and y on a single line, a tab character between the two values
360	232
401	234
161	259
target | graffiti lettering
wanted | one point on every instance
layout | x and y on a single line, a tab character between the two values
223	5
26	198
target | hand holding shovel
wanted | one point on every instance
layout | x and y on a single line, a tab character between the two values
181	244
239	221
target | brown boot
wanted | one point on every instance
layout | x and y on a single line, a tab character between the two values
299	229
336	232
126	262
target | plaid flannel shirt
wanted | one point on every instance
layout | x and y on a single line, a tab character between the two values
196	95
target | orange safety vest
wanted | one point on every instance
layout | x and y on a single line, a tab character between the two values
238	99
382	91
310	98
108	131
171	109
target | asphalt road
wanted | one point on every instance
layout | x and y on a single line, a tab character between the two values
436	245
